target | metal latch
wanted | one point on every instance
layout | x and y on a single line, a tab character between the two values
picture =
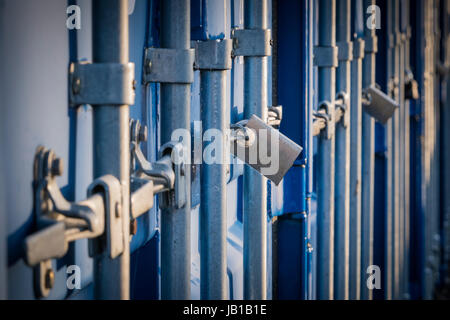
411	87
251	42
101	83
275	115
167	175
60	221
263	148
324	120
378	104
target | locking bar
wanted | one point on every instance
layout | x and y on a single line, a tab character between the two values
213	54
60	221
101	83
169	65
251	42
167	175
359	48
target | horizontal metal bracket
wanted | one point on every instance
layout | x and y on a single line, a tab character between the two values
326	56
101	84
345	50
169	65
213	54
251	42
371	44
358	48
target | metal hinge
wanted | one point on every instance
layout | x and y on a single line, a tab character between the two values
60	221
213	54
169	65
101	84
326	56
251	42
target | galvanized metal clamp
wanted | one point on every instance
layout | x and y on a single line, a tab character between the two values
101	83
167	175
213	54
169	65
251	42
60	221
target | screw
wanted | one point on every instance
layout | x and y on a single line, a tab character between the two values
143	135
76	86
133	227
57	167
49	279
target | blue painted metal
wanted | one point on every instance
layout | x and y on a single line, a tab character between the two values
293	92
398	221
342	159
255	186
368	161
356	153
326	154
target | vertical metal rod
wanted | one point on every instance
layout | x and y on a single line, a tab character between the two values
395	147
342	161
175	114
355	160
213	190
402	160
255	185
446	137
111	142
405	28
325	182
368	164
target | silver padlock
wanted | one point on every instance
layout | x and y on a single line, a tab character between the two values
264	148
378	104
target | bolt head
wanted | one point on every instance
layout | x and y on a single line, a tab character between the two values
57	167
76	86
143	133
148	67
49	279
